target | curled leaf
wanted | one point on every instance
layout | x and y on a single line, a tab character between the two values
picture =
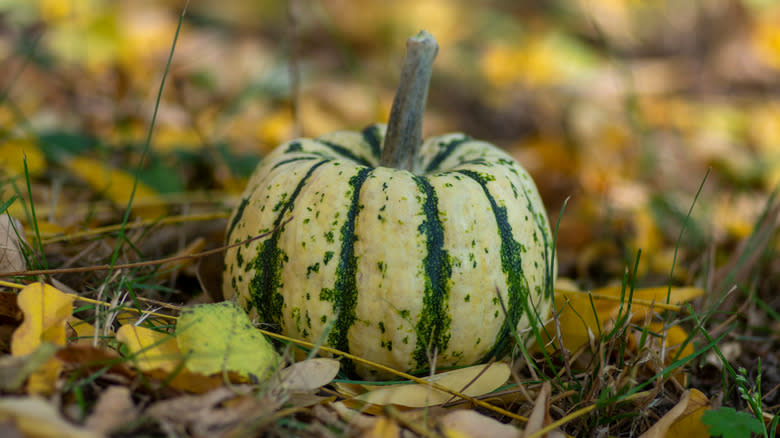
472	381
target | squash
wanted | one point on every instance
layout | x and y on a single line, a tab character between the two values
447	260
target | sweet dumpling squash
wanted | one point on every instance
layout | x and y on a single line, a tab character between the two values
449	256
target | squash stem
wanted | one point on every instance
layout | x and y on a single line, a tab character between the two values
404	129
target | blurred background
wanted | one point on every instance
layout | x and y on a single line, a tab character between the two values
619	106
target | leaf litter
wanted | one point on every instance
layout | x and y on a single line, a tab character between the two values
618	117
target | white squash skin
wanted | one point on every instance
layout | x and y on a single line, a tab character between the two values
390	251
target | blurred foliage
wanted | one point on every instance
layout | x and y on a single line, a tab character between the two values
620	106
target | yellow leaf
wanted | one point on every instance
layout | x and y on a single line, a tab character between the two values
84	331
684	419
579	319
220	337
152	349
13	152
548	59
383	428
643	298
158	356
673	337
276	128
117	185
169	138
45	310
766	39
467	423
473	381
576	320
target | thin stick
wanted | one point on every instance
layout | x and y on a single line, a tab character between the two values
136	264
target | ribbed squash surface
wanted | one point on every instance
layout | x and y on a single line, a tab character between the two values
391	265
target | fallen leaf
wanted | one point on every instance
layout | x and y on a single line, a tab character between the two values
14	370
14	152
117	185
481	379
46	311
9	307
673	337
468	423
151	349
157	355
84	333
309	375
689	423
214	413
92	359
539	414
584	315
35	417
383	427
114	408
11	244
220	337
684	418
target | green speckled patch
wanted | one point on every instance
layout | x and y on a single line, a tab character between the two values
433	328
263	287
343	294
511	265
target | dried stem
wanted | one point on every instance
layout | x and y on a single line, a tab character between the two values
404	130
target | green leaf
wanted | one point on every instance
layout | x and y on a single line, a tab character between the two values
729	423
220	337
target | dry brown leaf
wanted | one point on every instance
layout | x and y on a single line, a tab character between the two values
8	306
477	380
11	243
192	248
467	423
114	408
684	418
92	359
214	413
539	414
35	417
309	375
